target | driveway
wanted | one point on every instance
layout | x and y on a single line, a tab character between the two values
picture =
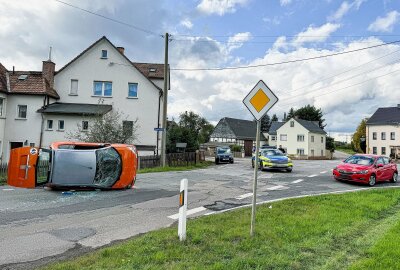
38	226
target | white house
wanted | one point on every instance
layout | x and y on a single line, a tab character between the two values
301	138
383	132
37	108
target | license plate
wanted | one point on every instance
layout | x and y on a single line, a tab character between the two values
280	165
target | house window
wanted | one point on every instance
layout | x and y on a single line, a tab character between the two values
312	152
273	138
392	136
312	138
102	89
300	138
85	125
383	150
322	139
104	54
60	124
291	123
322	153
32	144
383	136
49	124
300	151
127	127
283	137
374	150
22	111
74	88
1	106
374	136
132	90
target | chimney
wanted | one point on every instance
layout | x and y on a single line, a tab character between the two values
121	50
48	72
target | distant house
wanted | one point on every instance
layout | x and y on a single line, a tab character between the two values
272	132
302	138
236	131
383	132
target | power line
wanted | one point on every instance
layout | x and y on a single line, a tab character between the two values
291	36
285	62
111	19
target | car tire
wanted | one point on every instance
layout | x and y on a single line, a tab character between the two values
372	180
289	170
394	177
231	162
252	164
217	161
261	166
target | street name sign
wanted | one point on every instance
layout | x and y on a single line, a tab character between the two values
260	100
158	129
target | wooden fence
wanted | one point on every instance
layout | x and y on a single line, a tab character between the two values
173	159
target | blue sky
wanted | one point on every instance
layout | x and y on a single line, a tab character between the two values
223	33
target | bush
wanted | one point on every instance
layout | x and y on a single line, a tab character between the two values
236	148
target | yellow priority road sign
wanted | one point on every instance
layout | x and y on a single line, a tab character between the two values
260	100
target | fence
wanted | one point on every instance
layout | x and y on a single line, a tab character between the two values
173	159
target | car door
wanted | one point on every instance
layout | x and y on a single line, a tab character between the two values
22	167
380	169
388	168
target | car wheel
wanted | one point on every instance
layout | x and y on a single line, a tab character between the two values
252	164
261	166
372	180
289	170
394	177
231	161
217	161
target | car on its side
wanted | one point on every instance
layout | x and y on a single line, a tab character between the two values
367	169
223	154
74	165
273	159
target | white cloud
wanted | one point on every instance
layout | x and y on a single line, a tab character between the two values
316	34
237	40
285	2
274	20
220	7
187	23
344	8
385	24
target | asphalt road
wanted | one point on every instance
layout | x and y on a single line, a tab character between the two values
39	226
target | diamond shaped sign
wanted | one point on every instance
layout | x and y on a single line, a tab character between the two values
260	100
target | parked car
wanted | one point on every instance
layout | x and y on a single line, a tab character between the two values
273	159
223	154
368	169
74	165
266	146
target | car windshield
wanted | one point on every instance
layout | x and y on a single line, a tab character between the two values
272	153
360	160
108	167
223	150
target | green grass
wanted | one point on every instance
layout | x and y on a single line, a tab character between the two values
348	231
3	179
200	165
346	150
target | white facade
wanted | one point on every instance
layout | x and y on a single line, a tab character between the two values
299	141
383	139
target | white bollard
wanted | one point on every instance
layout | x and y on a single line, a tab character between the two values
182	210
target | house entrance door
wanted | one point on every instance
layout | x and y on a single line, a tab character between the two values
248	148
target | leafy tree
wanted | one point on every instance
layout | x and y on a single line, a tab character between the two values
291	114
107	128
265	123
274	118
310	113
330	144
358	140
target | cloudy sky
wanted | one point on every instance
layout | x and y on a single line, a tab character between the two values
216	34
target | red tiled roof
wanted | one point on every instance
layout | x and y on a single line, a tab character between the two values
3	78
34	84
144	68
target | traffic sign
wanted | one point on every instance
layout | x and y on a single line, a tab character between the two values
158	129
260	100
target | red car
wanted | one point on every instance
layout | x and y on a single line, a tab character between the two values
368	169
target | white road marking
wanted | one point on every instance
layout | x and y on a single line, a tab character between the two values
275	187
8	189
297	181
189	212
313	175
323	172
244	196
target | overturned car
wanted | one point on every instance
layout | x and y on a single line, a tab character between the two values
77	165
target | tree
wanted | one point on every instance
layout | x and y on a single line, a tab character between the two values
310	113
274	118
265	123
330	144
291	114
111	127
358	140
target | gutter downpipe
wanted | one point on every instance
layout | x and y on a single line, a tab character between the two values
158	120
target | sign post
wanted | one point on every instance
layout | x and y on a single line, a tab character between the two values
182	210
258	101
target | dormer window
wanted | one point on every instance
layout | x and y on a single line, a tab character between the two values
152	69
104	54
291	123
22	77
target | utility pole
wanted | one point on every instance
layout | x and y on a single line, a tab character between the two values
165	104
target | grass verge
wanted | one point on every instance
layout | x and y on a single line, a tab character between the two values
357	230
200	165
346	150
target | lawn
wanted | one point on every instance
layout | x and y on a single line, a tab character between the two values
346	150
358	230
200	165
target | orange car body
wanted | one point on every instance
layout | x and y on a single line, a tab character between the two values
74	165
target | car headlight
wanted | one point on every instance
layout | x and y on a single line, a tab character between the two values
289	160
335	168
363	172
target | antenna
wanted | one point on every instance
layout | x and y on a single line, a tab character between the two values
50	53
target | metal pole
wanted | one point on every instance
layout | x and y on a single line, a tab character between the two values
165	103
253	207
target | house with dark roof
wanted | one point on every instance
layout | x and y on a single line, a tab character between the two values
236	131
39	107
383	132
270	135
301	138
